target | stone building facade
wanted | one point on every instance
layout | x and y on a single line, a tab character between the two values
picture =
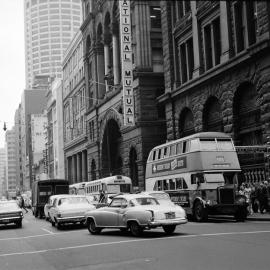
74	110
112	147
216	69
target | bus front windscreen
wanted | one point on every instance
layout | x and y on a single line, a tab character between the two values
117	188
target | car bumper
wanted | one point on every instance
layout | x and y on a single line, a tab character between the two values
71	219
10	220
163	222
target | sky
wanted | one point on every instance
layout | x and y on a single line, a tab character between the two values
12	69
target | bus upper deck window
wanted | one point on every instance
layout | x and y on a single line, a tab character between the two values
194	145
154	155
179	148
186	146
159	153
173	150
208	144
225	144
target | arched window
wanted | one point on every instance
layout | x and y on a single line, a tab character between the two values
186	123
212	117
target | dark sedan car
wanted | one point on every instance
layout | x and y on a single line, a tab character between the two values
10	212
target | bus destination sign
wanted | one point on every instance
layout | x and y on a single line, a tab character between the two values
177	163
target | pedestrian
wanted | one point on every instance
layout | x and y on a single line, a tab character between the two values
262	197
247	193
101	196
22	205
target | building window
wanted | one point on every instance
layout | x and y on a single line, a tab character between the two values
182	8
239	26
155	16
91	131
186	60
212	44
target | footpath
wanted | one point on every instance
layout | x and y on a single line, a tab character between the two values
259	217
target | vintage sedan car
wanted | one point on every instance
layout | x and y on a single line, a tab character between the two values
135	212
10	212
69	209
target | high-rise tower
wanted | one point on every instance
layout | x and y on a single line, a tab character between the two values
49	27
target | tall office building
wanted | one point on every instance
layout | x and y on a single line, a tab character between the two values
2	171
11	162
49	27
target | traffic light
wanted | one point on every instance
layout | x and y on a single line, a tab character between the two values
5	126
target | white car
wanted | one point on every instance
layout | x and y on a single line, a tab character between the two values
135	212
69	209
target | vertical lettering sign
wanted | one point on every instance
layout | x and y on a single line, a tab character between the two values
126	57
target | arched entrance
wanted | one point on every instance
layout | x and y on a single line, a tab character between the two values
111	155
186	123
133	167
248	132
212	117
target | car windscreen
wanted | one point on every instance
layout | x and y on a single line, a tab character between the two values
73	200
9	206
145	201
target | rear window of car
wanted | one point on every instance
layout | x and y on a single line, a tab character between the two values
73	200
146	201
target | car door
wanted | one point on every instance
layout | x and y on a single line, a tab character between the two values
52	210
109	216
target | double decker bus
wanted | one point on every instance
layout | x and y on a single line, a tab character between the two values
200	173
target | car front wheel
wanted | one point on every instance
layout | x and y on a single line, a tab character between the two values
199	212
92	228
169	229
136	229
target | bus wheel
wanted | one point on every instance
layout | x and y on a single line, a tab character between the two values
199	212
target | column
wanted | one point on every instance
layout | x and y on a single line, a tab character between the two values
100	71
225	32
74	169
142	35
78	168
107	63
116	54
196	41
83	167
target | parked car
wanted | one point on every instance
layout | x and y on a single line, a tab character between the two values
135	212
68	209
10	212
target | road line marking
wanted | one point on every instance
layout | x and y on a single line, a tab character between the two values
37	235
47	231
128	241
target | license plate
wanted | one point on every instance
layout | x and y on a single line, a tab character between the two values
170	215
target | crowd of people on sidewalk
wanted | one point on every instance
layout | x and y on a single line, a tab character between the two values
258	196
